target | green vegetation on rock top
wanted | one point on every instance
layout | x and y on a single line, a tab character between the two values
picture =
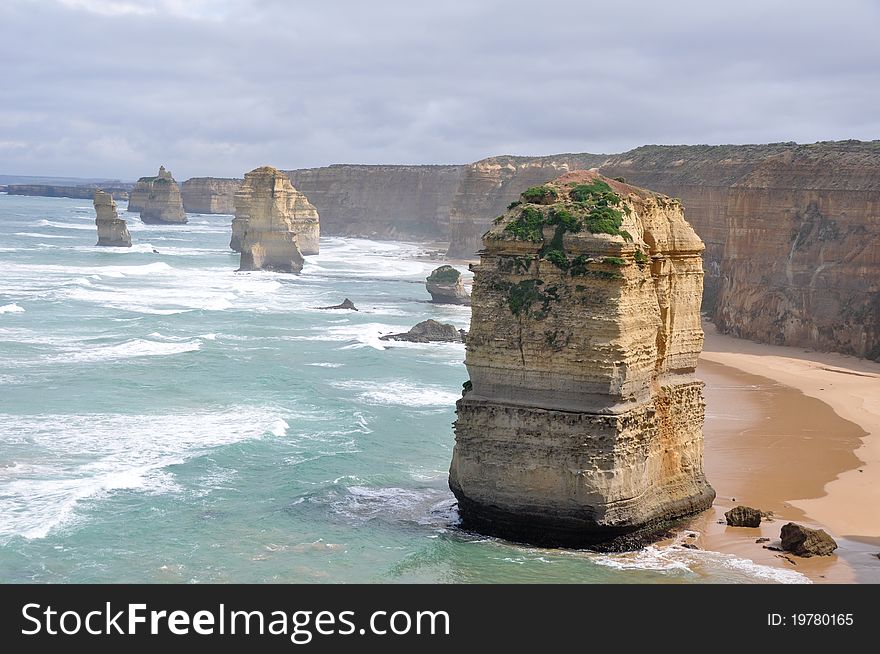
528	226
444	275
540	195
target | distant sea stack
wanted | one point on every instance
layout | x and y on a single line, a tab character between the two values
209	194
158	200
581	424
444	285
112	230
276	224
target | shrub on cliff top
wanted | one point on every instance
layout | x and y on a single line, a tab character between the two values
540	195
591	191
528	226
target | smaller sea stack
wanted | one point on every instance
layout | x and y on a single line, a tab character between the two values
444	285
274	223
112	230
163	204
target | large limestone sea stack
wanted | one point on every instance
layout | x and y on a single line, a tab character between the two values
158	199
112	230
581	424
274	223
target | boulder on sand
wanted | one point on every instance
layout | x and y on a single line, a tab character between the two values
806	542
743	516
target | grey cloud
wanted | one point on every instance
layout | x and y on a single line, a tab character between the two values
217	88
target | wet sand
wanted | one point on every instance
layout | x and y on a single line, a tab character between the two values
775	441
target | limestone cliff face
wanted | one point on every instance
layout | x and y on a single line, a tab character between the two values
112	230
581	423
391	202
487	187
137	197
278	225
792	234
209	194
163	204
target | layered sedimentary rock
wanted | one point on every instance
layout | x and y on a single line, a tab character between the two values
487	186
445	286
137	197
277	223
112	230
792	233
581	423
209	194
391	202
163	204
86	191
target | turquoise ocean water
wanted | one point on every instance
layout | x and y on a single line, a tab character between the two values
166	419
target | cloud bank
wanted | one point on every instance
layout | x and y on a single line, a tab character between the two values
212	87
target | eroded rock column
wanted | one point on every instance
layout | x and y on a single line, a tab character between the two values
112	230
581	424
274	225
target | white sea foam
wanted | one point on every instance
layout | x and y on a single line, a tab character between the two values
137	347
356	335
279	428
57	225
399	393
11	308
694	563
37	235
325	364
422	506
82	457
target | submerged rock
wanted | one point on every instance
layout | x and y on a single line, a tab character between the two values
345	304
582	425
275	224
744	516
806	542
163	204
112	230
445	286
428	331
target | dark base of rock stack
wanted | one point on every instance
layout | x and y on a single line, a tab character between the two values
576	531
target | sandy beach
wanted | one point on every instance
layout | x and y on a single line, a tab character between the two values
796	433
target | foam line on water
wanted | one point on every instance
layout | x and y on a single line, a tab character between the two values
11	308
400	393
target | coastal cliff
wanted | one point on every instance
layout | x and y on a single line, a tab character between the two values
487	186
386	202
581	423
277	223
209	194
163	204
112	230
792	235
84	192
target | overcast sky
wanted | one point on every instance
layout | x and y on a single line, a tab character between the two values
113	88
